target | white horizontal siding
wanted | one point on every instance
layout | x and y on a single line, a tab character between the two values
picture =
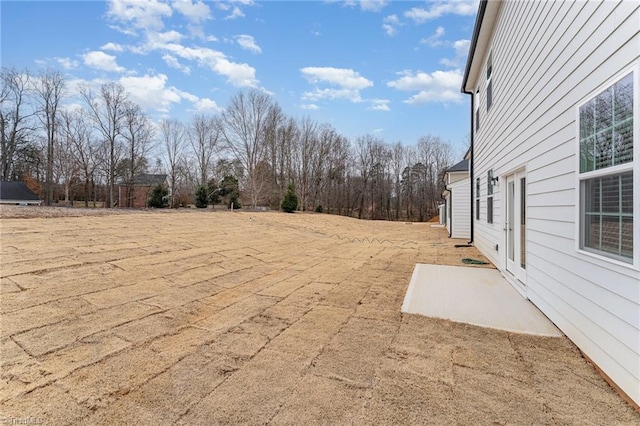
558	228
461	193
447	219
547	56
457	176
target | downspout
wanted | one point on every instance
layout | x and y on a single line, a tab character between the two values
471	166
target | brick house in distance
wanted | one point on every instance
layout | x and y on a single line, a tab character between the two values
137	193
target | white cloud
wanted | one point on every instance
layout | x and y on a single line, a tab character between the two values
392	19
318	94
390	30
145	19
461	48
144	15
349	83
380	105
235	13
438	86
343	77
236	8
151	91
309	106
206	104
160	38
113	47
434	40
373	5
102	61
195	12
365	5
172	61
238	74
186	95
67	63
435	10
247	42
390	24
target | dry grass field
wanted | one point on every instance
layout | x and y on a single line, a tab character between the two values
196	317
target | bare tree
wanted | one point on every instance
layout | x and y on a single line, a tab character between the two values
336	174
410	182
49	87
204	134
397	162
108	112
307	144
320	162
435	155
67	167
244	123
365	155
138	133
172	133
77	132
274	121
15	124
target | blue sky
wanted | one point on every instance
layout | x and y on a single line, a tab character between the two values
388	68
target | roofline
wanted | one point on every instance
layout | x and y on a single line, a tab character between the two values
474	42
482	31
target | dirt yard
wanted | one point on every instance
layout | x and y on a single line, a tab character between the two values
198	317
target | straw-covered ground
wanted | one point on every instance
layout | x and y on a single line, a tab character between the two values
196	317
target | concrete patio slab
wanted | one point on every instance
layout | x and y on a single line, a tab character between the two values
477	296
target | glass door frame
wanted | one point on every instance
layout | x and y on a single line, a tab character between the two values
515	205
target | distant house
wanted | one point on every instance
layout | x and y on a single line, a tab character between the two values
17	193
555	93
137	194
457	195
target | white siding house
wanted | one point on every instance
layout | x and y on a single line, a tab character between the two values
555	89
457	195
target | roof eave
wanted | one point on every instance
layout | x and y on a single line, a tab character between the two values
485	21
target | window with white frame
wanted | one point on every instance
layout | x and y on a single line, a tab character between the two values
606	171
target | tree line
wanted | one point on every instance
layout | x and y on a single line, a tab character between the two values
82	150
